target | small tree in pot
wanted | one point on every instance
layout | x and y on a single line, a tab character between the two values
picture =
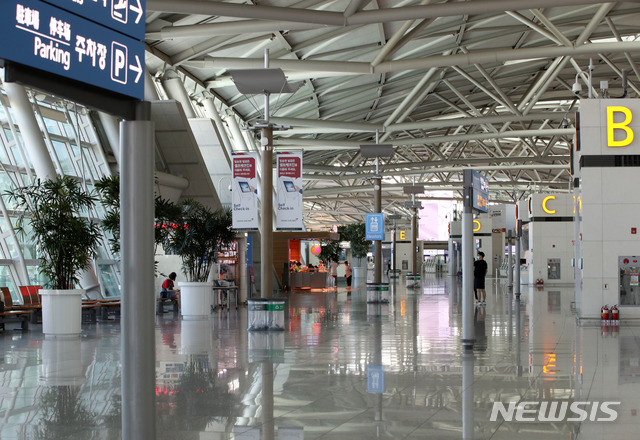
355	233
196	241
65	239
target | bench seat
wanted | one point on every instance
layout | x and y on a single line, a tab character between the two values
161	302
21	316
109	307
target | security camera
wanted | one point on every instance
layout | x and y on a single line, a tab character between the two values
576	88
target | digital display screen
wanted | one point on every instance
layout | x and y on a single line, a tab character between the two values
289	186
244	187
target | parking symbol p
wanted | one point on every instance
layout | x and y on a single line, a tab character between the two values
119	57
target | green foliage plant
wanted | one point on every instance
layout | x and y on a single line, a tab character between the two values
355	233
197	238
109	189
329	251
66	240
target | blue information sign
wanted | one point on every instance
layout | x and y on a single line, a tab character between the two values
375	379
374	227
56	41
125	16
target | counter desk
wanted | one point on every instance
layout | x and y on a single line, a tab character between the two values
310	280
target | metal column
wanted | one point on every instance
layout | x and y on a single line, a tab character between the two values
137	238
510	263
377	207
450	251
266	219
516	288
468	361
468	331
414	238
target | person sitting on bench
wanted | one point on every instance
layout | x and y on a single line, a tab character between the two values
168	291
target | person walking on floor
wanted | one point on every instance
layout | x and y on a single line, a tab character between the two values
479	273
334	272
347	274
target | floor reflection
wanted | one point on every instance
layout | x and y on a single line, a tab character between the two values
342	369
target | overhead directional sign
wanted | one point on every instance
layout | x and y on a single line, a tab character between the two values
374	227
480	186
125	16
44	37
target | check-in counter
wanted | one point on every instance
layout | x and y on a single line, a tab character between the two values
310	280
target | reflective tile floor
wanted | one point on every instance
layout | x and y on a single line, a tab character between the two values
343	369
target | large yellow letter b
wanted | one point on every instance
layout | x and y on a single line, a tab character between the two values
611	126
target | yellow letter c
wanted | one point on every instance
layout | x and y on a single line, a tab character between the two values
478	226
544	205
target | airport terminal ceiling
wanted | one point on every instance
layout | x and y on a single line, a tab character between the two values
451	84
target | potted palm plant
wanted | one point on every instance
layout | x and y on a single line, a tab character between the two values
355	233
196	241
66	241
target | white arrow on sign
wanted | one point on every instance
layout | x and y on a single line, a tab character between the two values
137	68
138	10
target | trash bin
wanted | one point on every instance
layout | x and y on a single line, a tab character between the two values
376	311
412	281
275	319
258	314
266	314
394	273
377	293
266	347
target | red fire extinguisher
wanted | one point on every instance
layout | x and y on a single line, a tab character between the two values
604	312
615	314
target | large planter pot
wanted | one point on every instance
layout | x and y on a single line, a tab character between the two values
196	300
195	337
359	276
61	312
62	362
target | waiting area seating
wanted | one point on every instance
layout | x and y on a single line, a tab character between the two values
31	306
161	302
224	290
14	313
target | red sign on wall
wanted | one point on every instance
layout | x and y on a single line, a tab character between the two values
244	167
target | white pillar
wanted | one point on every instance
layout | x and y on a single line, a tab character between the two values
31	134
210	109
238	140
172	83
150	91
110	124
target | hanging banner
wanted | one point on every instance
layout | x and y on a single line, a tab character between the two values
244	191
289	177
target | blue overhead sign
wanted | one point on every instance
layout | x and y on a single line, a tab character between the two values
125	16
374	227
44	37
375	379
